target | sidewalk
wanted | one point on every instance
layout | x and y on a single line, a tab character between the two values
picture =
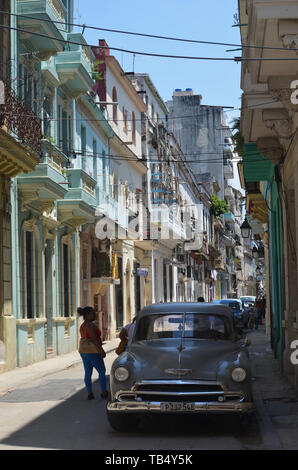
275	401
21	375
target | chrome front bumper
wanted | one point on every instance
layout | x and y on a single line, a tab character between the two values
199	407
164	397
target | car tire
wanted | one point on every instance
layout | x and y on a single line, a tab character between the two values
122	422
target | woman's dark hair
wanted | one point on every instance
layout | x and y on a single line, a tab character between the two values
84	311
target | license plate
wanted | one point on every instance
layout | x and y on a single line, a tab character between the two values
176	407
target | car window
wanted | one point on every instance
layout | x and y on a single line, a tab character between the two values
195	326
234	305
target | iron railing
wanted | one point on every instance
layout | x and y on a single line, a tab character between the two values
16	118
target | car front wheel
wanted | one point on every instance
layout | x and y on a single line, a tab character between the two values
122	422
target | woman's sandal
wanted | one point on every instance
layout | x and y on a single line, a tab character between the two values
90	396
104	394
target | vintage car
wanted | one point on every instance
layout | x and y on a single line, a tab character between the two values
184	358
234	304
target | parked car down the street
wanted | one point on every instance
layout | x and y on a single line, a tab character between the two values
185	358
236	306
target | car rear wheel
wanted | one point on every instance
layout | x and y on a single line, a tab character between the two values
122	422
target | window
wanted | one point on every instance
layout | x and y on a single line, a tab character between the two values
64	130
28	84
115	106
83	147
191	325
104	170
165	290
30	273
133	128
47	111
94	148
152	111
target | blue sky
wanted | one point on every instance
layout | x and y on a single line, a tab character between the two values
217	82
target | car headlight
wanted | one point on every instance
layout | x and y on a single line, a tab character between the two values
121	374
239	374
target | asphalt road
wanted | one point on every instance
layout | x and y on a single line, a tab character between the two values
53	413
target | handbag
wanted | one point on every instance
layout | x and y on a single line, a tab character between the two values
121	347
87	346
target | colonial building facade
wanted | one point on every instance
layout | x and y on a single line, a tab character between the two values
269	129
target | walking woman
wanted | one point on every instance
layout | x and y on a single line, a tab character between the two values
92	352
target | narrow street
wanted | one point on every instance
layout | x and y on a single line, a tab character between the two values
52	413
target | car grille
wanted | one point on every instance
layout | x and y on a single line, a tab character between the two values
176	388
178	391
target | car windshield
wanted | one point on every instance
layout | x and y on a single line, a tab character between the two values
234	305
193	325
247	299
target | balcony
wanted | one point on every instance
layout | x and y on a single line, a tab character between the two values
228	241
229	217
229	192
47	183
37	10
79	203
22	152
111	208
74	66
228	169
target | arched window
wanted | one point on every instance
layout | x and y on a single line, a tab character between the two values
133	127
115	106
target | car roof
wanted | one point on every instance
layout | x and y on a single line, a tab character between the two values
225	301
189	307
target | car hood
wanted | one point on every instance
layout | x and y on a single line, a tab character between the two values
199	358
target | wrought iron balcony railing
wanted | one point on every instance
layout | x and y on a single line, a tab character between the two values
16	118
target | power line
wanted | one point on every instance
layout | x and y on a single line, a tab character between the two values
168	118
169	38
167	160
151	54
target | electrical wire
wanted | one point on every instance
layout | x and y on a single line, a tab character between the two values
154	36
151	54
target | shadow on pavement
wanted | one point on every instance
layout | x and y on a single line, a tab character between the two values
77	423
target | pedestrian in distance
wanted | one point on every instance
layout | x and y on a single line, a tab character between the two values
256	316
92	352
251	318
127	332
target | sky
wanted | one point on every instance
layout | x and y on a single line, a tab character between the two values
206	20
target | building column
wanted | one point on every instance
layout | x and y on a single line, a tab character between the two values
290	267
295	295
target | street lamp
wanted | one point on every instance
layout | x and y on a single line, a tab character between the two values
245	229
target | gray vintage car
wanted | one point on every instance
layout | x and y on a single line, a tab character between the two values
184	358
